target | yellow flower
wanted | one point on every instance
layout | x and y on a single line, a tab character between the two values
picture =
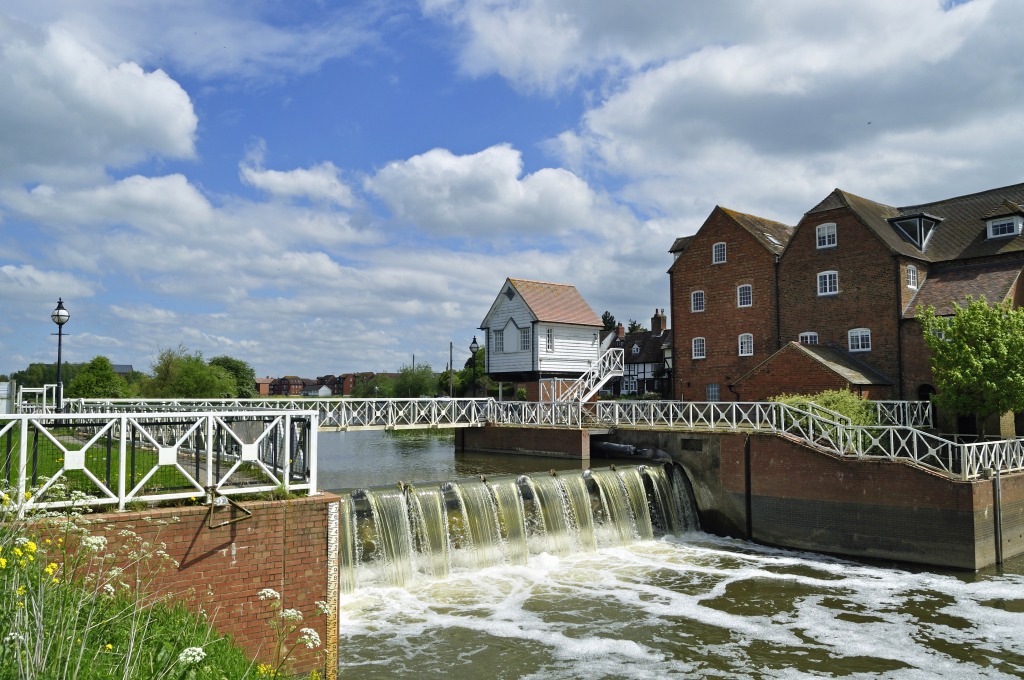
108	647
31	547
20	590
3	562
50	568
17	552
28	495
21	604
6	500
56	580
265	669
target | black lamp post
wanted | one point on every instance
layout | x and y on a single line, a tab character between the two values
60	317
473	347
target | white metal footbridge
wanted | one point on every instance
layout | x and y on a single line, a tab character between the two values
896	436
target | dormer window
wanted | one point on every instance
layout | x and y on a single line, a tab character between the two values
915	228
1005	226
636	349
826	234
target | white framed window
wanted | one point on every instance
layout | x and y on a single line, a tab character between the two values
911	276
697	301
808	338
746	345
718	253
524	339
628	385
551	340
744	295
1005	226
697	348
859	340
711	392
828	283
498	341
636	348
826	235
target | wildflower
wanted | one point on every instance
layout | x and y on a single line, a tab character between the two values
265	669
3	562
108	646
191	655
291	615
108	589
268	594
323	607
31	547
6	500
94	543
51	569
309	637
20	590
18	552
13	638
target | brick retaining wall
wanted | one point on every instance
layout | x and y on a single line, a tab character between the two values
284	546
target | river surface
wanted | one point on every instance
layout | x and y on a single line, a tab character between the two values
695	605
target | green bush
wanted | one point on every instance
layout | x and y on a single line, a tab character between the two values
859	411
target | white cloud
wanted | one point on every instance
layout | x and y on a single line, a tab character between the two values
318	183
66	113
486	194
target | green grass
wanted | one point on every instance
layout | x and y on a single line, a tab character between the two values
72	609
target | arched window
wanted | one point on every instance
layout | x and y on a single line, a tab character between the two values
697	348
808	338
746	345
828	283
859	340
744	295
826	235
911	276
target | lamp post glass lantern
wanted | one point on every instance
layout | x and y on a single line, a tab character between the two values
473	347
60	317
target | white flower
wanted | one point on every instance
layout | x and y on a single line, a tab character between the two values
291	615
14	639
108	589
94	543
268	594
323	607
192	655
309	637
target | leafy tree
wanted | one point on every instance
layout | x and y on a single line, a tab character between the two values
380	386
418	381
635	327
178	373
97	380
465	376
243	374
37	375
609	321
445	379
976	358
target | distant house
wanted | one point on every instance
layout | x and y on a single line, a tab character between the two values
537	331
123	370
289	386
644	369
263	386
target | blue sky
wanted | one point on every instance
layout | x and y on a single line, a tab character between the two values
320	187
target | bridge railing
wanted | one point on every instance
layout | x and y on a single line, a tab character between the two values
535	413
915	414
115	458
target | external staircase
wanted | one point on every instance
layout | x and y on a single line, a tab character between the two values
609	366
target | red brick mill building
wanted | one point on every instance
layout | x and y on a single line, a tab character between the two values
761	308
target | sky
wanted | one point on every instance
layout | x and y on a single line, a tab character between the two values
325	187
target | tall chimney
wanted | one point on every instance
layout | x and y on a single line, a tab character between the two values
658	322
620	331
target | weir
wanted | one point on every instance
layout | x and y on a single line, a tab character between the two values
395	535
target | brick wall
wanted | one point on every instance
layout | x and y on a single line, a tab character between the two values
284	546
870	289
722	321
791	371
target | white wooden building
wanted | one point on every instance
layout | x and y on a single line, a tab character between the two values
538	331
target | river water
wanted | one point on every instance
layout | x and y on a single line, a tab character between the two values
693	605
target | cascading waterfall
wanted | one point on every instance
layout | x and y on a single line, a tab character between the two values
391	535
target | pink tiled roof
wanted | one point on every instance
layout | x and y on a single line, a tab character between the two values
556	302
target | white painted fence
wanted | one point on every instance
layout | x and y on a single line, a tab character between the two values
113	459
